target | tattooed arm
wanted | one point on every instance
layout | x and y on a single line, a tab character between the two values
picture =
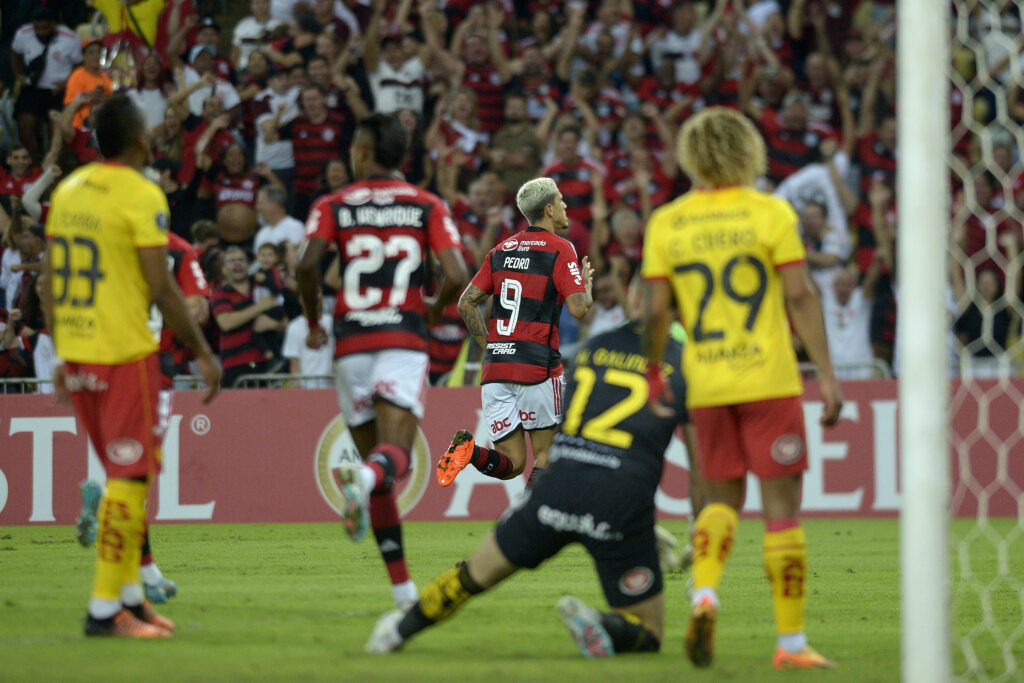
469	309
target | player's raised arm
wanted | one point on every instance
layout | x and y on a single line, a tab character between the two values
579	303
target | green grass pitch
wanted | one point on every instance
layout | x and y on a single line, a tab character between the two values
297	601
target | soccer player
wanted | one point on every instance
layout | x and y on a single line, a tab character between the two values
106	261
530	276
184	267
383	227
599	490
733	261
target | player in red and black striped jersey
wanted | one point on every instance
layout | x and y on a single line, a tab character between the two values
384	228
174	356
530	276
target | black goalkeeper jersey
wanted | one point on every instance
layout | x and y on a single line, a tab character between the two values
608	422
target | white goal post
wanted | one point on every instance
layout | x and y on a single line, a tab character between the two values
923	198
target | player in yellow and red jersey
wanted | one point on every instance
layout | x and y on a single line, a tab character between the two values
733	261
106	262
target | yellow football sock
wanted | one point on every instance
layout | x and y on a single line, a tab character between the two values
713	534
785	562
121	525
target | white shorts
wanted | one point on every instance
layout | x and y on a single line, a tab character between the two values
397	376
534	406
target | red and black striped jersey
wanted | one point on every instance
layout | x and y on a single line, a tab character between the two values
576	183
788	150
873	157
530	275
232	189
486	82
383	228
315	144
237	347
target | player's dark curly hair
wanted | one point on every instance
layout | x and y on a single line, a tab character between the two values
388	137
118	124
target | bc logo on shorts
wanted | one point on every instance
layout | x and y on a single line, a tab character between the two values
787	449
124	451
636	581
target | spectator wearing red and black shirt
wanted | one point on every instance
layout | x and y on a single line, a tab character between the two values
318	135
876	153
19	175
193	129
480	222
481	64
481	75
581	181
538	83
791	142
238	316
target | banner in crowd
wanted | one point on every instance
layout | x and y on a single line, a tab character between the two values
265	456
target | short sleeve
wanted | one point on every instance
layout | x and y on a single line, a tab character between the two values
654	265
190	275
18	44
441	231
229	95
484	278
320	222
147	214
567	276
74	51
785	246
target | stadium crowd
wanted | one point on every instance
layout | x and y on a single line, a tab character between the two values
251	118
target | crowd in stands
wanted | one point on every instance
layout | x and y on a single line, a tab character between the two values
251	117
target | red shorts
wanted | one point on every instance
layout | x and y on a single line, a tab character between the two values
763	437
124	412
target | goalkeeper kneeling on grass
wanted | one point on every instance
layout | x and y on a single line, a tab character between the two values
605	465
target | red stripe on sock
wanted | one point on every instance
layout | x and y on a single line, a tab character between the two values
398	571
383	510
773	525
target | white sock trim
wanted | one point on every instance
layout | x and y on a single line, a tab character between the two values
405	592
103	609
367	479
793	642
131	594
700	593
150	574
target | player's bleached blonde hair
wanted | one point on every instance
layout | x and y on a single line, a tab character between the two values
719	147
533	196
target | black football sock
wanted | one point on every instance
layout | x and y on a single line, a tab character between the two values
628	633
492	463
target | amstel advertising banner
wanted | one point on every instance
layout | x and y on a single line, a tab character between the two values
265	456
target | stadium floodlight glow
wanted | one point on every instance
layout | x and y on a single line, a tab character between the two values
923	199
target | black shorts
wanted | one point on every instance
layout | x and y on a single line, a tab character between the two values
613	518
38	101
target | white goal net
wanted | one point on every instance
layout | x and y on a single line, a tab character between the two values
986	359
